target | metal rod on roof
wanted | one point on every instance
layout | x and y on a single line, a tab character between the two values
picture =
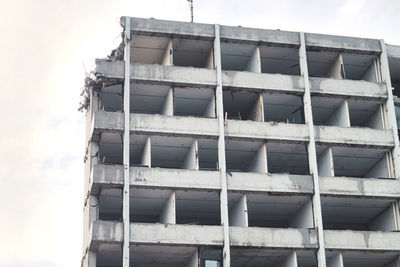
191	9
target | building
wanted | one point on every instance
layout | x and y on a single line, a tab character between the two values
243	147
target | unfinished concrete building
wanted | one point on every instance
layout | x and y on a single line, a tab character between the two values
213	146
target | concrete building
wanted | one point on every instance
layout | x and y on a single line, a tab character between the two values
214	145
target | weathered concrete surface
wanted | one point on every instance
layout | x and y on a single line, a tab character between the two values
156	74
335	87
273	237
112	175
263	81
170	234
353	136
273	183
259	36
343	186
266	130
156	27
393	51
156	124
342	43
363	240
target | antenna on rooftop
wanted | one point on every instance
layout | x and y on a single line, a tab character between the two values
191	9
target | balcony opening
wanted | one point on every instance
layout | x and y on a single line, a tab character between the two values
243	105
364	113
193	53
197	208
150	50
151	99
110	148
208	154
110	204
280	60
366	258
283	108
109	255
287	158
196	102
245	156
330	111
111	97
240	57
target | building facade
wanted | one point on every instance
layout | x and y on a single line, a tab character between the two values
213	145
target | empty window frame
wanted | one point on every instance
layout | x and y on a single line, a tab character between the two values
240	57
287	158
262	210
197	102
243	105
246	156
283	108
367	214
280	60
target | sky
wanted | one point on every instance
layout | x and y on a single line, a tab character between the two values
48	45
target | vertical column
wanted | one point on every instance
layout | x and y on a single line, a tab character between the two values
312	155
390	112
221	150
125	194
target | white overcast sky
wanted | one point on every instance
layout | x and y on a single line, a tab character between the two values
45	45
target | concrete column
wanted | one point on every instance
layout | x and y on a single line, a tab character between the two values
221	150
259	162
192	157
376	120
341	116
336	261
312	155
209	112
325	163
210	60
194	260
93	209
303	217
336	70
372	73
146	153
386	221
390	114
290	261
92	258
168	106
238	213
254	64
257	111
126	156
168	213
381	169
168	57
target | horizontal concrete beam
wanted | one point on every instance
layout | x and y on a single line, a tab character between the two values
266	130
393	51
342	43
156	124
359	89
273	237
157	74
263	81
112	175
358	187
164	234
165	28
353	136
259	36
362	240
273	183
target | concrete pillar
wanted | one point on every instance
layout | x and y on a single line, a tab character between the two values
290	261
372	73
168	213
257	111
194	260
93	209
221	150
381	169
254	64
146	153
259	162
341	116
336	261
390	114
325	163
192	157
376	120
92	258
386	221
168	106
303	217
209	112
126	155
238	213
336	70
312	154
210	60
168	57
